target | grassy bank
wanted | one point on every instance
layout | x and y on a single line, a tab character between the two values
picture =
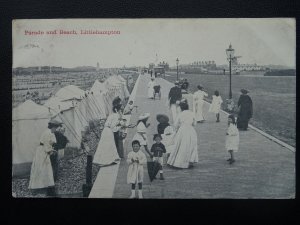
274	99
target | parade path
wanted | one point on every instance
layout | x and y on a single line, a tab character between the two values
263	168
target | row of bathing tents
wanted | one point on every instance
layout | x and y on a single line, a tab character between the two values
70	105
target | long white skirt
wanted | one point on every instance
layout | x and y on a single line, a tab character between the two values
41	174
174	111
169	142
185	150
198	110
106	153
150	92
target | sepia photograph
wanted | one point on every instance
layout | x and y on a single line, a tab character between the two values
154	108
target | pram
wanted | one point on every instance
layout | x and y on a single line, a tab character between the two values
156	91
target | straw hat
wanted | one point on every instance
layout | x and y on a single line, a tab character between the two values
144	116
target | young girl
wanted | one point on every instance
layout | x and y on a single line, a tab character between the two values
141	131
136	159
216	105
232	138
158	150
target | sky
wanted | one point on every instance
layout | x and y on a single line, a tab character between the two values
143	41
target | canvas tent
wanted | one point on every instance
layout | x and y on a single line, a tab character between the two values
98	88
69	92
68	113
29	121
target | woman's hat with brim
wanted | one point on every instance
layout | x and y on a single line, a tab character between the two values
162	118
55	122
176	82
144	116
244	91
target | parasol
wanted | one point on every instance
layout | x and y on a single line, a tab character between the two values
162	118
153	168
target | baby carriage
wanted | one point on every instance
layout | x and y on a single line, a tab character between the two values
156	91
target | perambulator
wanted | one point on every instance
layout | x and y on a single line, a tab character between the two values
156	91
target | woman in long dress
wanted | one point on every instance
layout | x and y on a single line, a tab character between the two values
41	174
150	86
141	131
198	101
245	110
215	106
107	153
185	152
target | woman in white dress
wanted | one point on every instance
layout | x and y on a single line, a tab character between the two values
41	174
198	102
185	152
141	131
150	86
107	153
216	105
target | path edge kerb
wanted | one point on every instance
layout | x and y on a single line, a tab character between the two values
270	137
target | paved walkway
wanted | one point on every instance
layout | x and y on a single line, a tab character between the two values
263	169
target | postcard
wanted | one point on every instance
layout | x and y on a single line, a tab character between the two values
154	108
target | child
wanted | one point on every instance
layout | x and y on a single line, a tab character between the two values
232	139
129	109
141	131
157	91
163	122
158	149
136	159
216	105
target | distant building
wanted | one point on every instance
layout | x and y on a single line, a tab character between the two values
248	67
164	65
199	66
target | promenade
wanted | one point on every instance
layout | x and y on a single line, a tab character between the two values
263	168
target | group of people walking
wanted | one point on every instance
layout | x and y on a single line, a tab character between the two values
177	142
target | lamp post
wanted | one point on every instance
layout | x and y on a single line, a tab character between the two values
230	56
177	62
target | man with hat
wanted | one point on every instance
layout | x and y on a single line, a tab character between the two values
174	95
245	110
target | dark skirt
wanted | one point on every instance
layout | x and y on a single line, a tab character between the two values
242	122
119	144
54	164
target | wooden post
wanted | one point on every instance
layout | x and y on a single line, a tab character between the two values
89	167
87	187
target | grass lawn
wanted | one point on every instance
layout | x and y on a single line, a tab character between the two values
274	99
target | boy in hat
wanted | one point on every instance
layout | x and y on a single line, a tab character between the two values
158	150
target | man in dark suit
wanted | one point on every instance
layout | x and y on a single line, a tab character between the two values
174	95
